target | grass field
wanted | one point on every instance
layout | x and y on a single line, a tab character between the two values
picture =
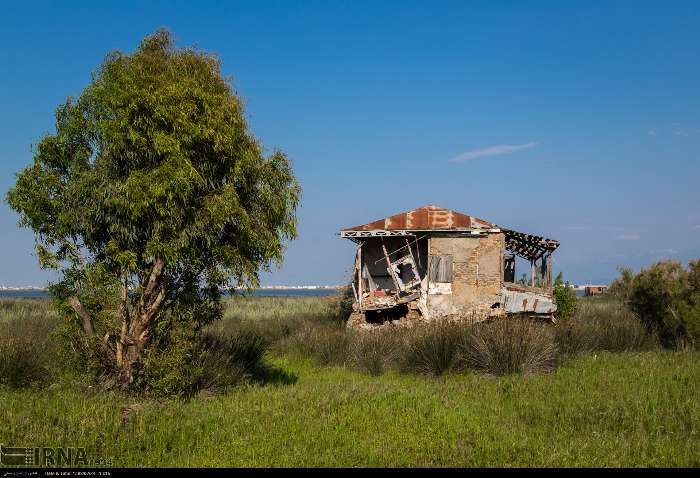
597	409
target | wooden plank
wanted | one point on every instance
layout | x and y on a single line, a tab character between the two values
390	269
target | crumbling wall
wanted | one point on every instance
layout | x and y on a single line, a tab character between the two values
373	257
477	275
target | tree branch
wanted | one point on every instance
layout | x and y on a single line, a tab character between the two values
88	324
152	283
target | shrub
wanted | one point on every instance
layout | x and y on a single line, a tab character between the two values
565	299
509	345
621	288
431	349
666	297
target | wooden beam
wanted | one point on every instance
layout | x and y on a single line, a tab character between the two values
390	269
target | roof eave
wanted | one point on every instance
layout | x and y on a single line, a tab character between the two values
413	232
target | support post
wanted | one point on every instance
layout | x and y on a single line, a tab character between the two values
359	272
428	279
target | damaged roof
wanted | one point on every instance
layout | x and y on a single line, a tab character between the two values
435	218
426	218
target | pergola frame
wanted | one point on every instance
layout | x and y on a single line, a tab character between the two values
533	248
528	246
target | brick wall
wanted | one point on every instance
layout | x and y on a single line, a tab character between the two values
478	273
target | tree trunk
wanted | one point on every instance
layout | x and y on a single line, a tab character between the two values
136	328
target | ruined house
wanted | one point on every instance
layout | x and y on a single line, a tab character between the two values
591	290
434	263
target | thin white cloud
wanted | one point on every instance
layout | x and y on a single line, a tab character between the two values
668	251
696	227
627	237
674	129
577	228
496	150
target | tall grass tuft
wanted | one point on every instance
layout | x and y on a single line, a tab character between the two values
374	352
21	364
509	345
603	324
27	352
245	348
227	361
326	345
431	349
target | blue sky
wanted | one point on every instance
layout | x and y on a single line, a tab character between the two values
579	121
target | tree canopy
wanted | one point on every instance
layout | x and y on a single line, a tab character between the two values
153	191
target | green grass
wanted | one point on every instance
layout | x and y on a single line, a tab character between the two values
610	410
275	308
602	409
276	318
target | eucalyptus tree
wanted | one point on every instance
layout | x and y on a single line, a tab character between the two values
150	197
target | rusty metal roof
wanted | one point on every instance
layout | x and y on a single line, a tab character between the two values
434	218
426	218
